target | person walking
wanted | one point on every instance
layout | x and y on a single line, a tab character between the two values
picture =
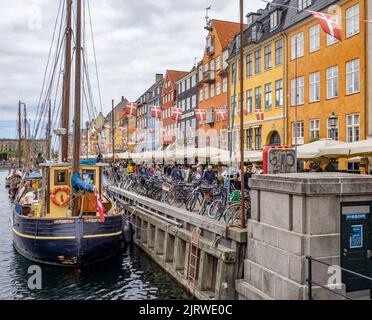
209	176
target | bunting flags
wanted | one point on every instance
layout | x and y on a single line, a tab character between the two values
200	115
221	115
99	205
177	114
131	109
155	112
259	114
328	23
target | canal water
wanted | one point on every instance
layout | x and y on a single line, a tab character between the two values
129	276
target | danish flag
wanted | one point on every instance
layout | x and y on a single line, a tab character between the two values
259	114
328	23
155	111
131	109
99	205
221	115
177	114
200	115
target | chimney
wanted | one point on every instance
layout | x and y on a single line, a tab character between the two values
122	98
158	77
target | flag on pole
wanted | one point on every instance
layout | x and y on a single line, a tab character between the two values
329	24
99	205
177	114
259	114
200	115
221	115
155	112
131	109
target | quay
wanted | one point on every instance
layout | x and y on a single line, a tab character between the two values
299	244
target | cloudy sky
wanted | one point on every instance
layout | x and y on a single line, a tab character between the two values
134	40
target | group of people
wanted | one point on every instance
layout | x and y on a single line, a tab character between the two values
198	173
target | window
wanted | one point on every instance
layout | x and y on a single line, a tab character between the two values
268	96
225	56
353	127
212	69
249	101
332	82
218	88
298	127
314	87
279	93
212	90
300	91
299	39
257	98
200	72
257	133
332	132
249	65
303	4
267	57
314	35
224	85
206	93
257	56
218	63
331	40
250	139
201	95
352	76
233	73
352	21
193	101
274	20
278	52
314	129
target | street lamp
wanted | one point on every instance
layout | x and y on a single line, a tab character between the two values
333	123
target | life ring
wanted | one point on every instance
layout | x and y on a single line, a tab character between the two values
63	201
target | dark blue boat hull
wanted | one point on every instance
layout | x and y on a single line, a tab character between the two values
68	242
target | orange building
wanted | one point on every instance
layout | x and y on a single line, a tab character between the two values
330	89
213	72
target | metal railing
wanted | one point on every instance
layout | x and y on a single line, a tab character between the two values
310	282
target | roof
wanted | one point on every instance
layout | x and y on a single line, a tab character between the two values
174	75
225	31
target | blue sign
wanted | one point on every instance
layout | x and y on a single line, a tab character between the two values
356	237
356	216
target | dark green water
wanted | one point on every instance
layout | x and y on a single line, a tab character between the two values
129	276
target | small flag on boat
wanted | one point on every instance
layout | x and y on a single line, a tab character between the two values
329	24
100	206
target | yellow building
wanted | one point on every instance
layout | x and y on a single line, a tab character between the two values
264	79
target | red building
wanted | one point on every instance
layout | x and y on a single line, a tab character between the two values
169	98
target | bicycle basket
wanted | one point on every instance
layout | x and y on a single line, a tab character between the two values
235	196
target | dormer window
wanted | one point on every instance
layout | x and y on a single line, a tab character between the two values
273	20
210	45
303	4
250	20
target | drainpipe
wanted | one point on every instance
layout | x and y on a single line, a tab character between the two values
366	109
285	86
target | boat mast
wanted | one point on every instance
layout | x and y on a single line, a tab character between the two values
113	130
49	132
19	136
67	83
76	143
25	155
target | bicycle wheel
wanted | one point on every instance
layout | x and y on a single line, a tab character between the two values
216	209
230	212
193	201
170	198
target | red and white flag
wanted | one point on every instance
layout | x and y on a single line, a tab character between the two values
99	205
259	114
155	112
221	115
200	115
177	114
329	24
131	109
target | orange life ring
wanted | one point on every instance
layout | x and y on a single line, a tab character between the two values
63	201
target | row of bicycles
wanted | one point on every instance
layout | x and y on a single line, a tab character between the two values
215	201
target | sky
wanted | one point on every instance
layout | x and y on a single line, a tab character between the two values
134	40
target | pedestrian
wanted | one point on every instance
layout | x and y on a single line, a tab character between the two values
209	176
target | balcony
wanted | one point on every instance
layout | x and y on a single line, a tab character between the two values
208	76
224	72
209	50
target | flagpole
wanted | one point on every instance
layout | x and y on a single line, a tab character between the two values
242	215
295	106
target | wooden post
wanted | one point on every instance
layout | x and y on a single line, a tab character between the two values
25	152
19	136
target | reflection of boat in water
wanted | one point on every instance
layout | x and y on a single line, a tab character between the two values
45	231
64	222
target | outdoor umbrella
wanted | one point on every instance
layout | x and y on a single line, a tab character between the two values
313	150
358	148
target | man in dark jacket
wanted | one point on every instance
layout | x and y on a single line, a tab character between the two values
209	176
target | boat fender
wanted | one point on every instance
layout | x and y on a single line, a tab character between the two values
127	232
63	201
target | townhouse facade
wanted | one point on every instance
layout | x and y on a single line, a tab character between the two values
264	77
213	75
169	102
187	100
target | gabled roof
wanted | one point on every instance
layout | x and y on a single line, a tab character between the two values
225	31
174	75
